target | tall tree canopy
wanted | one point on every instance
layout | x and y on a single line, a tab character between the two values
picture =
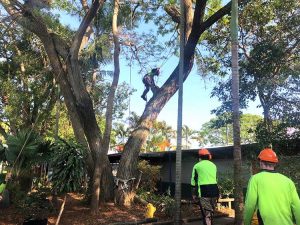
269	50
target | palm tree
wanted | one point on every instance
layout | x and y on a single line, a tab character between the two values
21	154
121	133
133	120
187	133
238	192
163	128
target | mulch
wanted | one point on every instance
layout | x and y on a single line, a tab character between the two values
78	213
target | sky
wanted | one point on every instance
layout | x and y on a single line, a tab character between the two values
197	103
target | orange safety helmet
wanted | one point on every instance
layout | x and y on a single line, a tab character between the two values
268	155
204	151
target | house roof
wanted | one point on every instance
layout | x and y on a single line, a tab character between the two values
225	152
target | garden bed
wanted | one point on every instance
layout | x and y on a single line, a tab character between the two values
77	213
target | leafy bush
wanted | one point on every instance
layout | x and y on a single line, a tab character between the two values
68	166
226	185
289	166
26	141
25	153
150	175
163	203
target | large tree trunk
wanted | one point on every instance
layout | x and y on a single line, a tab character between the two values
128	162
65	65
238	184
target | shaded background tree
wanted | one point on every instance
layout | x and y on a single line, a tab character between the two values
269	50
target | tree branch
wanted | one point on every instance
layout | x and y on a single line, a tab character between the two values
219	14
24	17
61	45
114	84
74	50
89	30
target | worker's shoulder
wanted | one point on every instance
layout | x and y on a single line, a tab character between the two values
206	163
273	175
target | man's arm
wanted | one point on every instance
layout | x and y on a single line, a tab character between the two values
251	201
295	204
194	183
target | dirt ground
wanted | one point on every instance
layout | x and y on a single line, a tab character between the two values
76	213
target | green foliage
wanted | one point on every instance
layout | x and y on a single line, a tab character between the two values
268	61
26	82
120	133
65	130
187	135
218	131
153	141
150	175
280	133
159	132
226	185
68	166
100	94
163	203
22	149
289	166
67	6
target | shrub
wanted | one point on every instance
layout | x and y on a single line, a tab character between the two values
163	203
68	166
289	166
226	185
150	175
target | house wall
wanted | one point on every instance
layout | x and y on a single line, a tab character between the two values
168	172
224	167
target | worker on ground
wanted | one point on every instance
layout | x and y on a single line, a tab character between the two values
149	83
272	194
204	185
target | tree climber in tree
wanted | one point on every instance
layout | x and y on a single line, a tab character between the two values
148	81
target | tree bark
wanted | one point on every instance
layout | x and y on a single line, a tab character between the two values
238	184
108	182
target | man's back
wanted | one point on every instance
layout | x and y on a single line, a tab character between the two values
207	172
275	196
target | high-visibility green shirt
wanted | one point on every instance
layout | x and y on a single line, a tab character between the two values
276	198
205	172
